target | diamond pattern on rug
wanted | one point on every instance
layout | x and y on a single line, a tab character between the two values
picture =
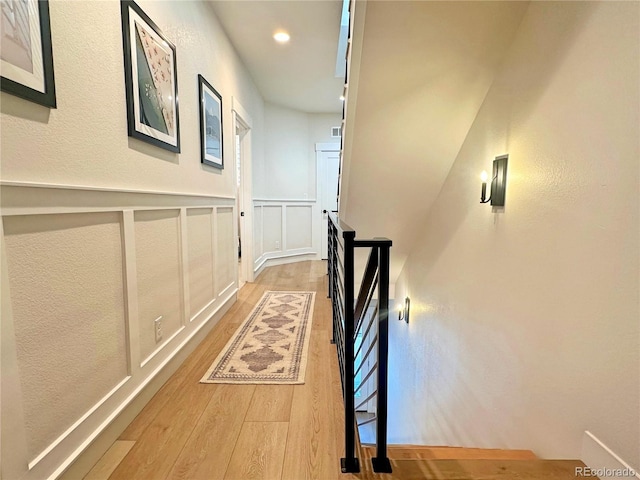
271	344
284	308
262	359
271	337
286	298
278	321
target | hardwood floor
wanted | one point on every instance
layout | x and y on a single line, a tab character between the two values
110	460
196	431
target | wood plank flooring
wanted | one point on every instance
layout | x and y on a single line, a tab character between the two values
194	431
110	460
419	452
259	451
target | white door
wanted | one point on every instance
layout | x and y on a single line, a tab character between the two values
239	134
328	167
242	151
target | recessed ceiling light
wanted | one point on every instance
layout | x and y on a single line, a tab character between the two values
281	36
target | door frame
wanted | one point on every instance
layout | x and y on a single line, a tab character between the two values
240	118
332	147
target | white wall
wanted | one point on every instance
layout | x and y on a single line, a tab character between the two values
524	325
418	75
88	130
115	234
290	156
286	182
288	173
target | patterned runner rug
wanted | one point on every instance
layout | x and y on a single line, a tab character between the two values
271	345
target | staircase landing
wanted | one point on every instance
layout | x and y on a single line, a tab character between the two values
450	463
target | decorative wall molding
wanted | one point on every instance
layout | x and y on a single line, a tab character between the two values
63	186
271	201
271	261
162	346
23	198
216	315
86	415
304	230
32	199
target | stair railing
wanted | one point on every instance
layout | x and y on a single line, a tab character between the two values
360	332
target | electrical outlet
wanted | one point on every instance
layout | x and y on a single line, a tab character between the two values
277	244
158	324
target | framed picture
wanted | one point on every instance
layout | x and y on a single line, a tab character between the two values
151	80
26	55
210	124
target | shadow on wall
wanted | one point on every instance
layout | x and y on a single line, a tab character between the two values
153	151
422	359
461	189
18	107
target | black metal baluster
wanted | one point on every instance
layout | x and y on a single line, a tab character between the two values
381	462
350	463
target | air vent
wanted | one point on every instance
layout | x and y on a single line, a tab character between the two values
336	132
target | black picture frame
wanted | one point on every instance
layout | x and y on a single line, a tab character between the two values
150	66
211	132
22	46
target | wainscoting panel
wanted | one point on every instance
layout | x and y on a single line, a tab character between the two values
283	231
70	330
272	228
158	276
257	233
200	255
227	248
85	272
299	234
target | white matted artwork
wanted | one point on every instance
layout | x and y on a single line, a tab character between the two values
150	80
210	124
26	54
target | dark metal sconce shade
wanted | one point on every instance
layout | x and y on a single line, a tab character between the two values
404	313
498	183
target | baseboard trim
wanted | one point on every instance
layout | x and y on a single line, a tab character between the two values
80	462
290	258
603	461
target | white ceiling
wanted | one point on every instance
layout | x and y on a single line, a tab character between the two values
300	74
421	73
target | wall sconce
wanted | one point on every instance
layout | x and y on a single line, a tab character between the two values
403	312
498	182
